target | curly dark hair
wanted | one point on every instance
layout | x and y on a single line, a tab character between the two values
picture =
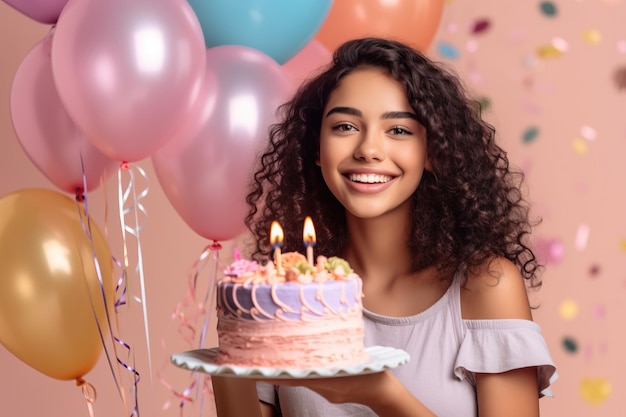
468	210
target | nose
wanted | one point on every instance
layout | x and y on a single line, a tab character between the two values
370	148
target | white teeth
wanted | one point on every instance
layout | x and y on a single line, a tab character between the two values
370	178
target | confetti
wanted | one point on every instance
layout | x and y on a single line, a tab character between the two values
549	51
598	312
447	50
568	309
485	103
546	88
595	390
582	237
530	134
526	166
548	251
588	132
580	146
560	44
622	245
519	36
570	345
530	61
620	78
594	270
471	46
548	8
592	36
476	77
451	27
528	82
531	108
480	26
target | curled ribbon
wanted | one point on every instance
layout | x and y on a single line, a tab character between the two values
81	199
89	393
125	195
189	313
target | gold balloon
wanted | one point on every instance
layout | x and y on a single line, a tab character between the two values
50	290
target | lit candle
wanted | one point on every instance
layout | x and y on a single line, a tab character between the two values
276	240
308	236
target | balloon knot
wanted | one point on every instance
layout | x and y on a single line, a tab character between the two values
80	194
215	245
125	165
89	392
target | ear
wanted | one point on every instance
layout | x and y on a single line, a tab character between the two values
428	166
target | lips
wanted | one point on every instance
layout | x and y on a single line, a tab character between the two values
369	178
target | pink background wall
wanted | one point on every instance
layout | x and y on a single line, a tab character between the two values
574	100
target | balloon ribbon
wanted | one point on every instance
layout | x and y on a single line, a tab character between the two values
189	313
126	195
83	212
89	393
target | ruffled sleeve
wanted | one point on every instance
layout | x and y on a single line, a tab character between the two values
495	346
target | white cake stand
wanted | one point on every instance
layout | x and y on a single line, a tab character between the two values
204	360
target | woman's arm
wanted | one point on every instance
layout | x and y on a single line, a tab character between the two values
510	394
236	397
502	296
382	392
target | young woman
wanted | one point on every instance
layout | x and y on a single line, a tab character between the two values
390	157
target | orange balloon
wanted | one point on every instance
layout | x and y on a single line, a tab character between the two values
307	62
50	290
414	22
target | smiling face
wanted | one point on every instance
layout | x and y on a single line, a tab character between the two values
372	148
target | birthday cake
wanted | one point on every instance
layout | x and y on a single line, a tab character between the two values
290	314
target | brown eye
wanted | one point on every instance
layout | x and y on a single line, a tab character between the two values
400	131
344	127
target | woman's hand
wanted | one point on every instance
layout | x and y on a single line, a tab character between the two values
382	392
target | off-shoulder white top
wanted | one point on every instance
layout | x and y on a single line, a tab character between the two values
445	353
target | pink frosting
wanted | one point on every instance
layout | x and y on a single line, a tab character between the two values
296	319
291	345
241	267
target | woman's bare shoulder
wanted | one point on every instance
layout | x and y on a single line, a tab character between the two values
497	292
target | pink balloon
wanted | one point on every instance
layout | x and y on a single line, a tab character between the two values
128	71
307	61
46	132
43	11
205	170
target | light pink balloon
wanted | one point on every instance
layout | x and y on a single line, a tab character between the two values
307	61
43	11
46	132
128	71
205	170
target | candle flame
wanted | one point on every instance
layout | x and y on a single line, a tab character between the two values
308	233
276	235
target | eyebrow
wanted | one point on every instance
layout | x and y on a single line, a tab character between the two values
387	115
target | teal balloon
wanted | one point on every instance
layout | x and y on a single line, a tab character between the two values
278	28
